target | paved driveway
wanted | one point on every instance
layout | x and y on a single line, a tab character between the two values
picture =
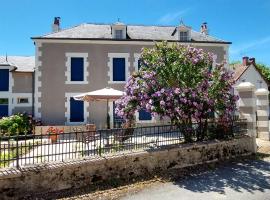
236	181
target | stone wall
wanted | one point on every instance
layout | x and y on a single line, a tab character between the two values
58	176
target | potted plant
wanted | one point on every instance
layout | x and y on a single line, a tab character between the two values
53	133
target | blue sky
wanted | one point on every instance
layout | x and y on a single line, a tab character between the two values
243	22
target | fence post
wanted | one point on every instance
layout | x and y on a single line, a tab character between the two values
17	152
262	113
247	108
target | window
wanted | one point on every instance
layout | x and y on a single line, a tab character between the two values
119	69
76	110
139	64
77	69
22	100
3	107
3	101
183	36
4	79
144	115
118	34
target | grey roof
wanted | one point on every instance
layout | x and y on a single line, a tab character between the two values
134	32
20	63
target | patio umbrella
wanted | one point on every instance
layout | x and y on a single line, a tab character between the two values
107	94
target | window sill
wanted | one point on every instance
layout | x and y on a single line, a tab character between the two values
117	82
76	82
75	123
146	121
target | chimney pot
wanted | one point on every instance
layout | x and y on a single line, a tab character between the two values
204	28
245	60
252	61
56	24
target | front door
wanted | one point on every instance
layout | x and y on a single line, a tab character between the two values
3	107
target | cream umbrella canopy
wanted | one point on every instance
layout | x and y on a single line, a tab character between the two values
106	94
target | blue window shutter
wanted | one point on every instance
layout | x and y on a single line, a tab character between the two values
144	115
4	79
119	69
77	69
76	110
3	111
139	64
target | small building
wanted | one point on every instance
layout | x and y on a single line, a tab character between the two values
16	84
247	71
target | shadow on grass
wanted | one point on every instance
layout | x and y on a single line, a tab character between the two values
250	176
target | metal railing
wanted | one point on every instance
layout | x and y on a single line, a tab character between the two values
21	150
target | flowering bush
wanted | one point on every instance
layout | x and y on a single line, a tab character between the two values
54	131
178	83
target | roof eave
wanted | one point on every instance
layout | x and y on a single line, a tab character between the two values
139	40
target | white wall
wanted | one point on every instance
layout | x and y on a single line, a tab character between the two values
251	75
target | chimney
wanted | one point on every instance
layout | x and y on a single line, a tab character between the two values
56	24
204	29
245	61
252	61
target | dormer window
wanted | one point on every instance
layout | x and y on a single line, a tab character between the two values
119	31
118	34
183	36
184	33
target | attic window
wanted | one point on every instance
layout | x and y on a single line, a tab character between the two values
119	31
183	36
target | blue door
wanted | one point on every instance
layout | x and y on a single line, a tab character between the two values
76	110
3	108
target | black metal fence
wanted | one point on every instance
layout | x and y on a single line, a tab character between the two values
16	151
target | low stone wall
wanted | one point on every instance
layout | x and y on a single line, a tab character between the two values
58	176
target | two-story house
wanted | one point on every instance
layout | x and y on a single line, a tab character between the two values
16	84
88	57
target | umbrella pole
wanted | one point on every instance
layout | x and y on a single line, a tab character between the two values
108	115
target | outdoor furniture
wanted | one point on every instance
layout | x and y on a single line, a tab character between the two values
107	94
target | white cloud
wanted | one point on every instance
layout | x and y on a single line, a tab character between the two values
170	17
241	49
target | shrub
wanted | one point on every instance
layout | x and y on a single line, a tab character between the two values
177	82
18	124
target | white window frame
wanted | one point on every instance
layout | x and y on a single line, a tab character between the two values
70	55
17	96
67	112
187	29
111	56
136	60
20	98
119	27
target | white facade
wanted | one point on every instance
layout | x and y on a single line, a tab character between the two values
253	76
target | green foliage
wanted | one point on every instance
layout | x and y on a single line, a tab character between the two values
265	70
15	124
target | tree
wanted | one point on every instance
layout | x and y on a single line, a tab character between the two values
178	83
265	70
